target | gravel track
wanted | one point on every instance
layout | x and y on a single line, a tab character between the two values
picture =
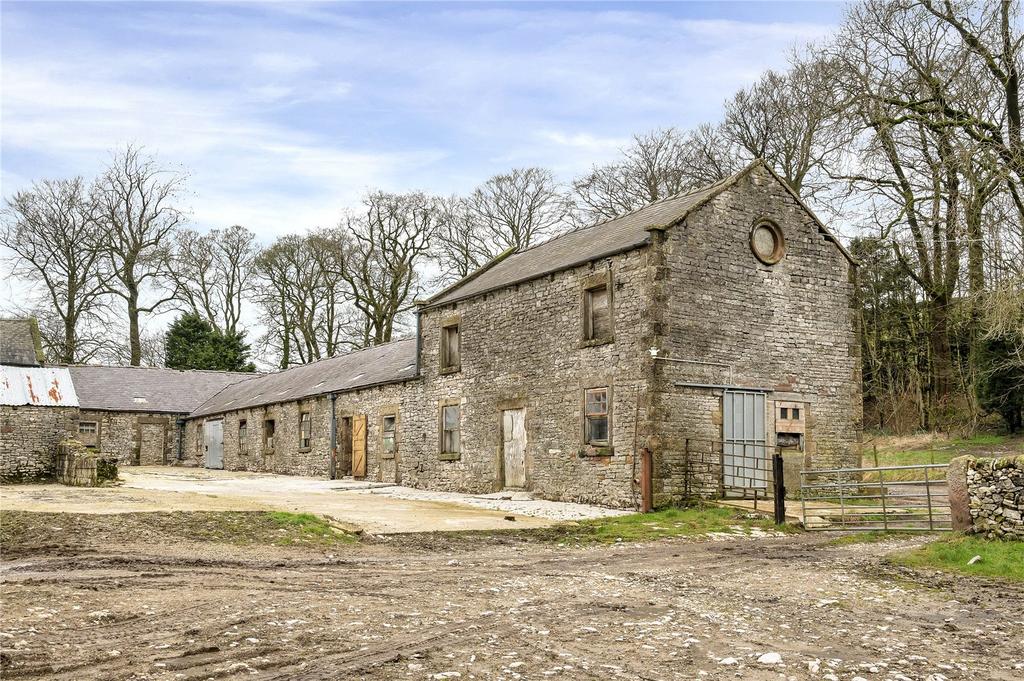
470	606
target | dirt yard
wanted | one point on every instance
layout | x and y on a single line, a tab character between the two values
87	597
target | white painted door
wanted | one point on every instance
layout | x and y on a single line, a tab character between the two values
214	432
513	432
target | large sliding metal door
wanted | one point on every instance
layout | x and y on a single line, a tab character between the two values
745	459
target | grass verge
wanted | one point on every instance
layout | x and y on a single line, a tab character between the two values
671	522
1004	559
22	531
942	452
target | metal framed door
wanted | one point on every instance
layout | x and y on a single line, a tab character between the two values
745	459
214	433
513	435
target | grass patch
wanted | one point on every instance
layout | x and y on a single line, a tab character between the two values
671	522
26	532
1004	559
938	452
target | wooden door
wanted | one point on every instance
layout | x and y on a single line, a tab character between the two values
513	434
359	446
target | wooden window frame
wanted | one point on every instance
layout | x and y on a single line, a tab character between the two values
607	442
243	437
305	438
591	284
389	453
445	363
94	436
442	453
273	436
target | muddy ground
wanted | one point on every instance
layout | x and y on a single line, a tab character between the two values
137	603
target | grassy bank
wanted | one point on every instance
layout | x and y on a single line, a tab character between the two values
22	531
936	450
672	522
1004	559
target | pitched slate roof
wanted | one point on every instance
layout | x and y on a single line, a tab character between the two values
601	240
19	343
146	389
389	363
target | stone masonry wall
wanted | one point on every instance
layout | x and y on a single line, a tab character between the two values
286	456
986	496
787	327
523	347
119	434
29	436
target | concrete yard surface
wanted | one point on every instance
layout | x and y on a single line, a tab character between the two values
348	502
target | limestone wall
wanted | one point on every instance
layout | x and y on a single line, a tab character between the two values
788	328
987	496
134	438
29	436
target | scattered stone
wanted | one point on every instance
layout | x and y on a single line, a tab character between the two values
770	658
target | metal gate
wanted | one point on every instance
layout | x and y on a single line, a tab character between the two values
889	498
214	432
746	463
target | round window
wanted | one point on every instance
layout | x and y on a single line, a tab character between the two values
767	242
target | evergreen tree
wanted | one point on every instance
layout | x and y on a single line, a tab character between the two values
194	343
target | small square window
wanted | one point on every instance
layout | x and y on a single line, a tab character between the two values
596	416
597	313
268	435
243	437
450	429
387	433
451	350
796	413
88	432
305	430
784	413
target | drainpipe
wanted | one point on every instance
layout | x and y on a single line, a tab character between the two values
419	339
334	437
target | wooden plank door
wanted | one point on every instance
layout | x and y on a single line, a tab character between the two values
513	434
359	446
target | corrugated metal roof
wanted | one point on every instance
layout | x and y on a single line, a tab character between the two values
40	386
387	363
583	245
20	343
149	389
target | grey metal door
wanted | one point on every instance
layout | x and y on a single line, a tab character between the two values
214	432
513	434
744	446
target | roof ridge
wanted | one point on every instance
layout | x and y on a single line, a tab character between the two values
180	371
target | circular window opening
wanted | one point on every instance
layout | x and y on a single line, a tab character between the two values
767	242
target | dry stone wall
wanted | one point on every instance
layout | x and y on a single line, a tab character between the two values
29	436
987	496
119	435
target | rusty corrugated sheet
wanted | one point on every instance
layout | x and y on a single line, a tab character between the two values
41	386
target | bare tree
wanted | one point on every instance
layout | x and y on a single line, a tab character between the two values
212	273
794	121
136	203
459	244
56	243
384	245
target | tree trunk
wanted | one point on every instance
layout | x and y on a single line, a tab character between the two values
134	338
941	354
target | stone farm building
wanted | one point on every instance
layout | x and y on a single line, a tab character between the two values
707	328
132	413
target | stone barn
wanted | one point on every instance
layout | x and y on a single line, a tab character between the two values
709	328
135	413
38	405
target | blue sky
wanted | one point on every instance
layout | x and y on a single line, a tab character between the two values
285	113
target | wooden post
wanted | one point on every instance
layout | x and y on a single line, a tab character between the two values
646	481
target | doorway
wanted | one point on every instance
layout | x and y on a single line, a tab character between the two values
513	436
214	432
